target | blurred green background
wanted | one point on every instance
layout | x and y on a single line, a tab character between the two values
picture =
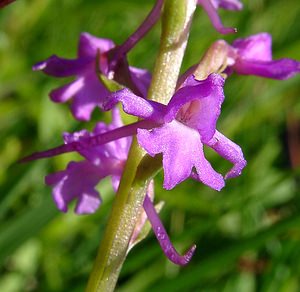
248	235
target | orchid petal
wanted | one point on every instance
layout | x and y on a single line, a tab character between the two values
66	92
88	203
278	69
88	92
182	151
122	145
60	67
198	104
90	96
253	56
3	3
257	47
76	182
136	105
118	148
230	151
89	45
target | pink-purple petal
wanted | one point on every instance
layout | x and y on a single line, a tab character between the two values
90	96
136	105
59	67
253	56
182	151
199	105
66	92
88	203
163	238
87	90
230	151
121	145
206	174
279	69
257	47
78	181
89	45
87	93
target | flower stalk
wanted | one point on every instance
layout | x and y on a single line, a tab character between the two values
139	169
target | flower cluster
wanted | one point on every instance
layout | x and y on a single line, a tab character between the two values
179	130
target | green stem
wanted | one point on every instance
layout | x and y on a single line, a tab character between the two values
176	22
131	193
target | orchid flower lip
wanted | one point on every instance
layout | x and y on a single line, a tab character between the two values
190	116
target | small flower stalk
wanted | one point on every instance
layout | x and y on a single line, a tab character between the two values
176	119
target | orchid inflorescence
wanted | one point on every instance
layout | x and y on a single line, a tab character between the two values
178	130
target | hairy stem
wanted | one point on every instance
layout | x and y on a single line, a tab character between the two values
176	20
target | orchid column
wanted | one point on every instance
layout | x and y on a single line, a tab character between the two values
139	169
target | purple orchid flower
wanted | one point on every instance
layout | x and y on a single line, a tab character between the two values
253	56
96	54
211	6
79	179
86	90
188	122
178	131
